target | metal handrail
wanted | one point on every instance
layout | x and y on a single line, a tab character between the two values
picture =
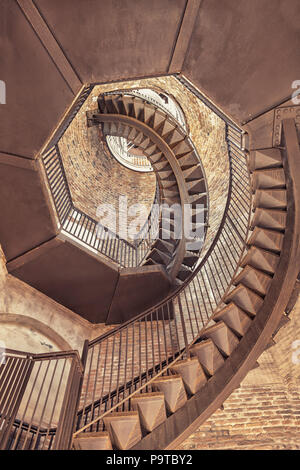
75	223
38	399
129	358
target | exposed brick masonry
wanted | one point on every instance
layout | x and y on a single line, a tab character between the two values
264	413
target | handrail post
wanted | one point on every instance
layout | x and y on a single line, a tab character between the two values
84	356
186	343
67	421
84	353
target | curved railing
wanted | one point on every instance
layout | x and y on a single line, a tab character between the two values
38	399
86	230
152	96
120	114
120	149
130	357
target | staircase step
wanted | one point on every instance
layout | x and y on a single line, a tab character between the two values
101	104
106	128
123	130
183	273
151	408
109	105
266	239
157	157
171	200
152	149
188	159
193	173
124	429
158	119
133	134
208	355
118	99
182	148
170	212
165	173
164	246
199	214
265	158
174	138
145	143
234	317
198	199
268	179
195	245
270	198
195	187
140	137
269	218
222	336
128	105
162	165
260	259
245	299
138	107
166	128
159	257
92	441
190	259
169	183
192	374
149	112
149	262
173	389
168	223
253	279
173	191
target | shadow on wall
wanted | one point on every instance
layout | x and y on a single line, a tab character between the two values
23	333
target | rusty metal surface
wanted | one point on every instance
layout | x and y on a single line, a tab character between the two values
287	112
137	290
113	40
81	281
27	220
37	94
242	54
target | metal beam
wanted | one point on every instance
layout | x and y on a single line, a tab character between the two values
51	45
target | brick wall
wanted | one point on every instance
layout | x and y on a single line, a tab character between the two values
254	417
95	177
264	413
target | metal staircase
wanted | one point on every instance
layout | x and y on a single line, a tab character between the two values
178	169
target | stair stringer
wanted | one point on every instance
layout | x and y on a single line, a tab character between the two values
174	190
243	358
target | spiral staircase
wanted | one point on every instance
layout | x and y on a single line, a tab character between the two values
149	382
178	170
